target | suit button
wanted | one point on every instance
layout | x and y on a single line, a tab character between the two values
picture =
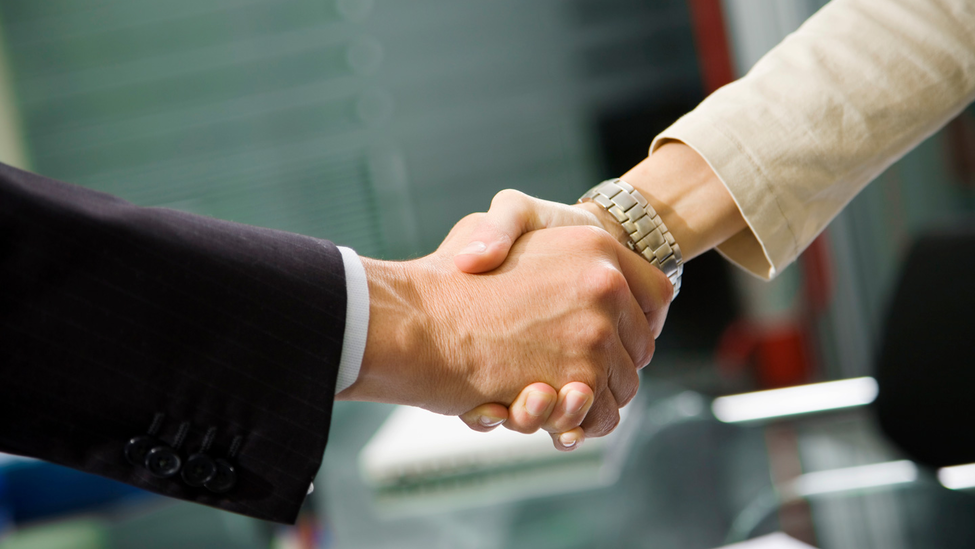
224	479
199	469
163	461
138	447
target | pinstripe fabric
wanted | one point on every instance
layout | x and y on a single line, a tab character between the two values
110	313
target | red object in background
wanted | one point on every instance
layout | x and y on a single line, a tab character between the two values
781	357
779	354
711	39
735	347
817	274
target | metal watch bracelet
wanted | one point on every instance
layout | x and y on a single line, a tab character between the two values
648	236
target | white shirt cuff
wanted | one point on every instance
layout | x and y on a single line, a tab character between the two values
356	319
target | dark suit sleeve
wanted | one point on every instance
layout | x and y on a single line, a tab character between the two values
111	314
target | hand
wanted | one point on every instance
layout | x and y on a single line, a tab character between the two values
693	201
531	411
513	214
568	305
688	195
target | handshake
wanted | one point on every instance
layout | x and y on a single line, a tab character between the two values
530	296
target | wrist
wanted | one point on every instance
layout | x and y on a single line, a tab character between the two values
689	197
400	342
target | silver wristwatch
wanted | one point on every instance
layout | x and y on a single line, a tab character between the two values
649	236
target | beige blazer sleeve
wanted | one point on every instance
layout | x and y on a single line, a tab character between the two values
859	85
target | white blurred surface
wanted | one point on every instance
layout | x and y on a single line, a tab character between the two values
777	540
802	399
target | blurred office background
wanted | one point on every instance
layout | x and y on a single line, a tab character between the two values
378	124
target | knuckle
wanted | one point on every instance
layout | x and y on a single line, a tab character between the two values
591	238
648	349
597	334
507	197
603	424
627	392
472	220
606	282
592	376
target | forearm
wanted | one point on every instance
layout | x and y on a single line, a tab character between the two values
826	111
111	314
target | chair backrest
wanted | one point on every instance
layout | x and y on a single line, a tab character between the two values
926	365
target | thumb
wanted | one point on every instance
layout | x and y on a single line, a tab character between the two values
488	246
513	214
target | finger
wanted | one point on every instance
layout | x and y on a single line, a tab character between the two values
513	214
460	233
570	410
569	440
603	416
485	417
638	293
635	332
656	320
623	380
532	408
652	293
648	284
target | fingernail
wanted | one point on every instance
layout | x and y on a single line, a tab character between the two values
537	402
488	421
476	247
567	440
574	401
